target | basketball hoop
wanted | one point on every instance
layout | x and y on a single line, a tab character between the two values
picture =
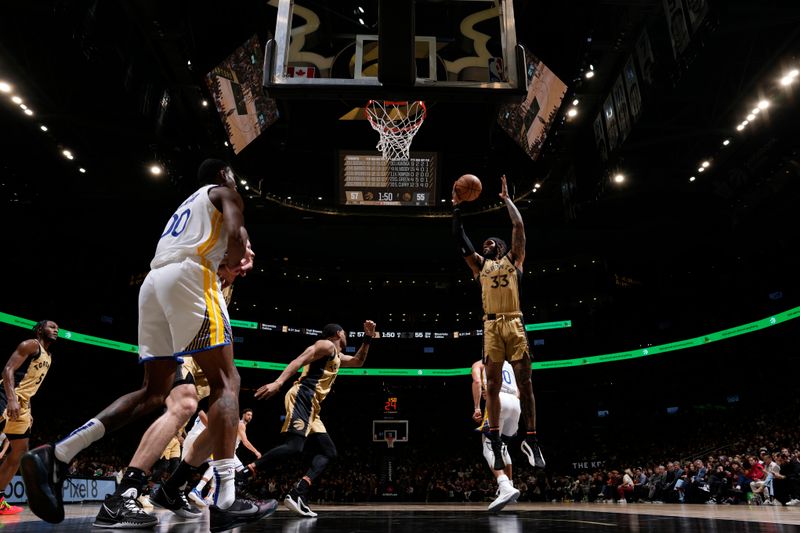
390	437
397	123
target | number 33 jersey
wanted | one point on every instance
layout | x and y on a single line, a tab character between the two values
194	231
500	286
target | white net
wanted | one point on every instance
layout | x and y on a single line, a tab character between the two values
397	123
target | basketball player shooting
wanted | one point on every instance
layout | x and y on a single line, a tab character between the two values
499	271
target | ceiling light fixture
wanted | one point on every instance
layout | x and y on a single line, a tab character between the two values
82	170
589	74
16	99
43	127
29	112
705	164
156	170
575	102
5	87
572	112
67	154
751	116
726	142
763	104
692	178
619	178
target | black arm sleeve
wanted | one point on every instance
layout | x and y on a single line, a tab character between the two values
462	241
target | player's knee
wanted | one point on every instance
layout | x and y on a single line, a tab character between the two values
493	386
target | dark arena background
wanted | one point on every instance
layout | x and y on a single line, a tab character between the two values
650	146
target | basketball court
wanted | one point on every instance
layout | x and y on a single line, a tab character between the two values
518	518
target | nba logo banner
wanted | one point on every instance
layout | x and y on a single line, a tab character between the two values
301	72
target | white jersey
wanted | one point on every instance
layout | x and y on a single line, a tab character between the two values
195	231
509	385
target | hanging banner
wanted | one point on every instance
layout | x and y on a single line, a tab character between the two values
600	137
697	10
632	88
621	105
644	52
676	24
611	122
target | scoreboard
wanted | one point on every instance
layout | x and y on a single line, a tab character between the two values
366	178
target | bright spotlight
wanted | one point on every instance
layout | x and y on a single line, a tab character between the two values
5	87
619	178
692	178
701	169
361	21
43	127
16	99
23	107
204	103
763	104
589	74
243	182
572	112
726	142
575	102
751	116
29	112
740	127
82	170
67	154
705	164
537	185
360	9
156	170
787	80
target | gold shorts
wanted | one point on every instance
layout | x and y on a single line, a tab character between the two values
173	449
302	417
199	377
504	339
22	425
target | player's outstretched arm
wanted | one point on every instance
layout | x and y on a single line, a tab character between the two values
477	414
318	350
473	259
517	227
361	355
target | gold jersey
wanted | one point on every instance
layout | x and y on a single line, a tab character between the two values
28	377
317	379
500	286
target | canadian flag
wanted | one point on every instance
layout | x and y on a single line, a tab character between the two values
301	72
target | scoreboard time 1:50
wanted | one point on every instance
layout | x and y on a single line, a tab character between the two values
368	179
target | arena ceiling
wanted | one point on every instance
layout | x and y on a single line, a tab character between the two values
120	84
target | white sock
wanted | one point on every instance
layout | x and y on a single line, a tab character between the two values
79	440
207	475
502	478
224	476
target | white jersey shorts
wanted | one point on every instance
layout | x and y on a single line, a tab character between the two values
510	411
181	312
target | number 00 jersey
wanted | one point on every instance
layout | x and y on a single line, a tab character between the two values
499	286
509	385
194	231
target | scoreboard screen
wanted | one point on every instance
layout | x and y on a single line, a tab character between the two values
368	179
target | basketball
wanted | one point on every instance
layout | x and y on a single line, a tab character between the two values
468	187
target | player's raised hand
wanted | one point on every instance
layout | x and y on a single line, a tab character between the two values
369	328
456	199
503	188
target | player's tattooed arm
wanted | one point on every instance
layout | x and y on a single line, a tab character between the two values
517	227
318	350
